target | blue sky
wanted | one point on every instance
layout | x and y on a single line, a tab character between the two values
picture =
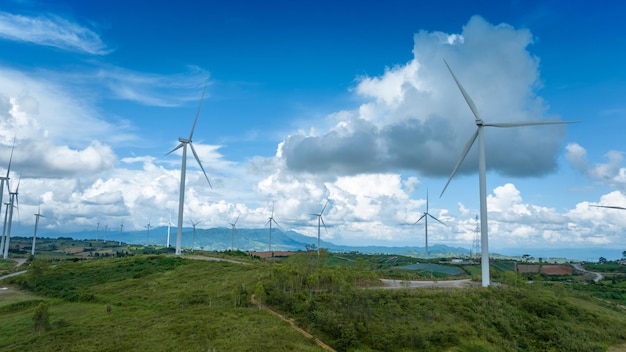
313	100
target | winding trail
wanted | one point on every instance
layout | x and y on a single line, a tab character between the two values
597	276
293	325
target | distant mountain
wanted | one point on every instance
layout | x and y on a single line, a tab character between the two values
256	240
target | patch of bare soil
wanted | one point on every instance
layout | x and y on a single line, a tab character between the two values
556	270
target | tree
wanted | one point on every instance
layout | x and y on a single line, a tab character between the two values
602	260
624	255
41	320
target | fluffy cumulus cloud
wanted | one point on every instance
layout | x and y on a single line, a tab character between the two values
414	118
43	139
611	173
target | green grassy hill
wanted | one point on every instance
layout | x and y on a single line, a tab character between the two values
168	303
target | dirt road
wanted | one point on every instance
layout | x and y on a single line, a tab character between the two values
398	284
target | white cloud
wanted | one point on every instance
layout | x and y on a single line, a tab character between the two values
612	173
51	30
415	118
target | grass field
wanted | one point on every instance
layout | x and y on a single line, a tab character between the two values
157	304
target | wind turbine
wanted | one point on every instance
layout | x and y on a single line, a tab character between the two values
482	168
233	231
37	216
2	181
271	220
169	226
193	232
181	200
148	233
425	216
121	230
320	221
13	200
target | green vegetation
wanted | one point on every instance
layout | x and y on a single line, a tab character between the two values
158	302
514	317
145	303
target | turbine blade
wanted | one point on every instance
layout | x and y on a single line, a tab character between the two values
466	150
609	207
324	208
235	223
195	155
418	220
529	123
323	223
469	100
434	218
197	113
175	149
10	159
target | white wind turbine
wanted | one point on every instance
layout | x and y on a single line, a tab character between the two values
169	226
482	169
37	216
320	222
181	200
193	232
425	216
271	220
121	230
13	201
2	181
148	233
233	231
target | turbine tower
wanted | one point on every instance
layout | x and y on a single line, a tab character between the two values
184	142
320	221
425	216
37	216
2	181
233	231
121	230
13	200
482	169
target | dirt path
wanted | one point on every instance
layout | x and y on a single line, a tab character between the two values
293	325
597	276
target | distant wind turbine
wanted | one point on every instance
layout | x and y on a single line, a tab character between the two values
37	216
121	230
193	232
2	181
271	220
482	168
233	231
425	216
148	233
320	221
181	201
169	226
13	201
